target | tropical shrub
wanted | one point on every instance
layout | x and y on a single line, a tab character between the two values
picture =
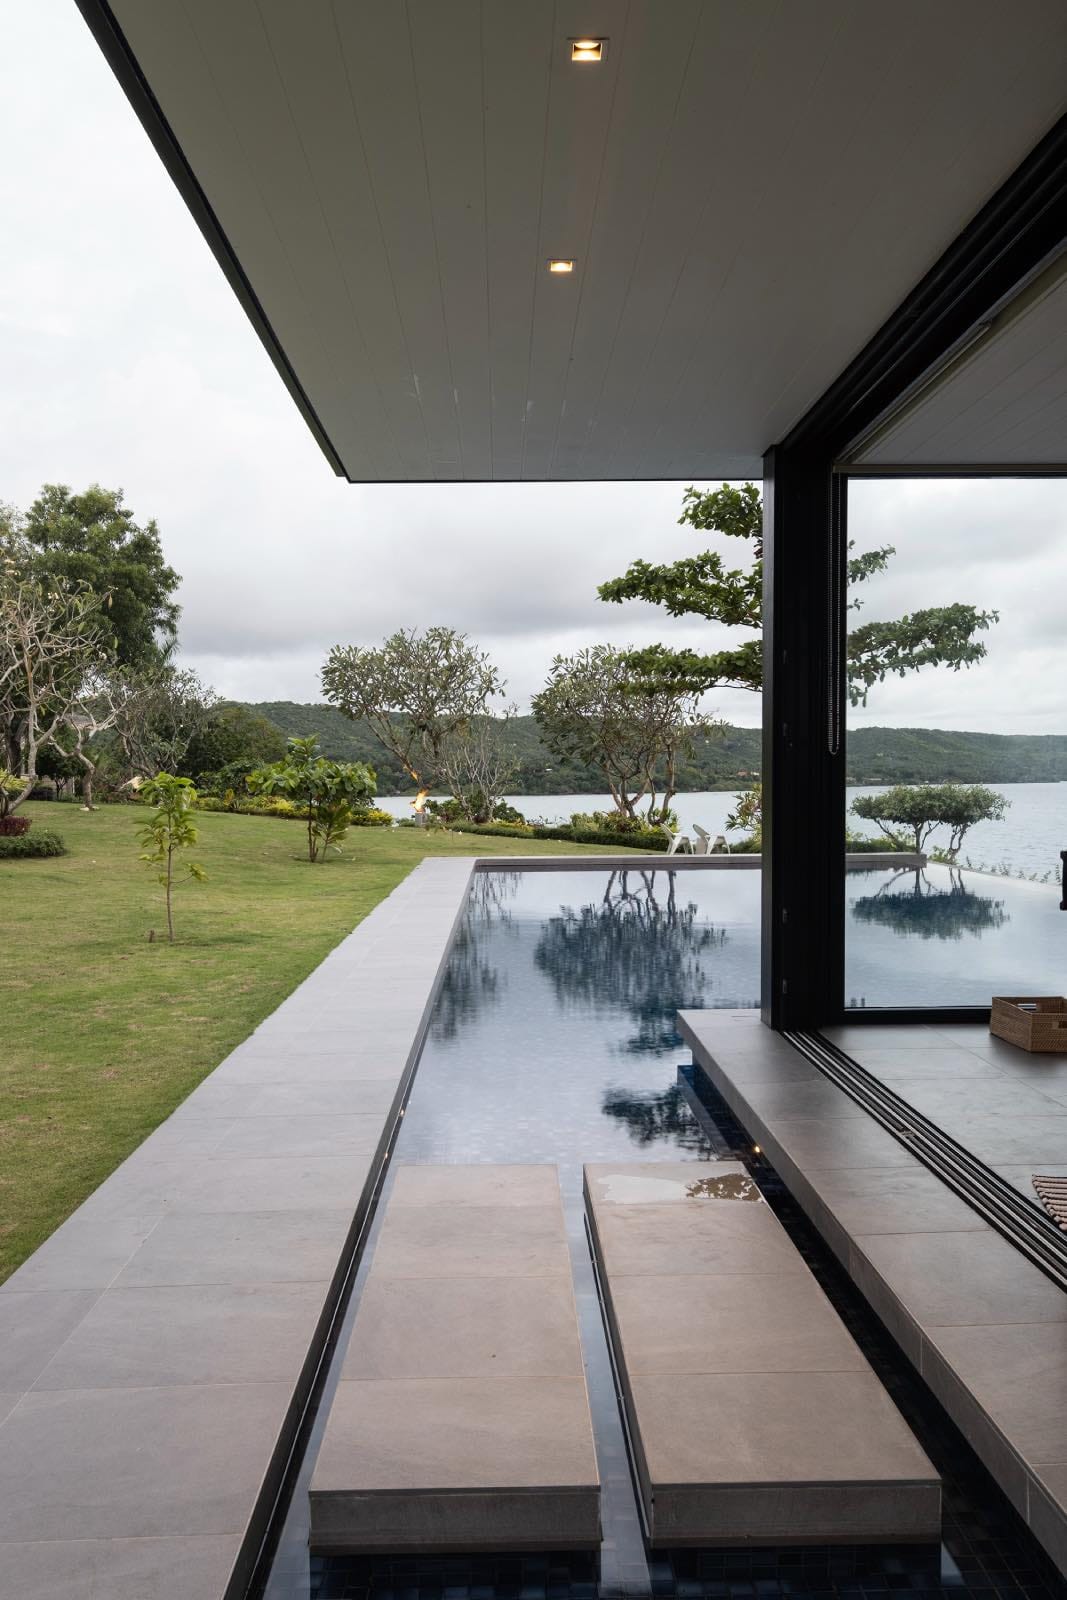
330	791
13	827
25	846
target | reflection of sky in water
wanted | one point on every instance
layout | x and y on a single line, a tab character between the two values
945	937
561	994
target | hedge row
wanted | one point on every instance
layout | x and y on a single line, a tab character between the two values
287	811
625	841
22	846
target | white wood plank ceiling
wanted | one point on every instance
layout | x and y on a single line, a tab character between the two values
747	188
1002	404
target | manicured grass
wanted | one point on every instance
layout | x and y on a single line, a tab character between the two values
102	1033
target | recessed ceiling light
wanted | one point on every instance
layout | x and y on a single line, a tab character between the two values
587	49
561	265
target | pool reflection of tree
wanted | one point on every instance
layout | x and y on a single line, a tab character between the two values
638	951
925	911
471	983
656	1117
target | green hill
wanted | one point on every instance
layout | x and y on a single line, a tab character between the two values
726	759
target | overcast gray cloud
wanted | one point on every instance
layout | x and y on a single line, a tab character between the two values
126	359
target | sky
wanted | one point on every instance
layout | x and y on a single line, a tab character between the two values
126	360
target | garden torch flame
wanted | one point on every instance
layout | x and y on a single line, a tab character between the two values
419	801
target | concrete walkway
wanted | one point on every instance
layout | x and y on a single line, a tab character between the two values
461	1420
753	1415
985	1328
156	1352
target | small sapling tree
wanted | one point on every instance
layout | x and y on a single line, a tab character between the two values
170	829
330	790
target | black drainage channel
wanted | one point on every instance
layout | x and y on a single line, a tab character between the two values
1019	1220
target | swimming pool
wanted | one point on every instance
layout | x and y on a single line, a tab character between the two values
552	1040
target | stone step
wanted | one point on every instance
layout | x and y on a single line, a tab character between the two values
461	1419
753	1416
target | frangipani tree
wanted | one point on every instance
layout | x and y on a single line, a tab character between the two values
52	643
415	691
597	709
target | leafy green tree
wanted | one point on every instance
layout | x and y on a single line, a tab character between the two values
596	709
415	691
748	813
229	734
704	586
924	807
169	830
92	540
330	790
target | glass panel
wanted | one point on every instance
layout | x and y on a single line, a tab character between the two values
957	644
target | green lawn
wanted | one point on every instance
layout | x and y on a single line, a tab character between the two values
102	1033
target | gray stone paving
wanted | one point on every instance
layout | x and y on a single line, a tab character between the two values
154	1352
987	1330
753	1414
461	1419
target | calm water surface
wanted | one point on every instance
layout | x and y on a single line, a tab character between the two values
553	1040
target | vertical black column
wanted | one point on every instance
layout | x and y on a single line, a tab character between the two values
804	599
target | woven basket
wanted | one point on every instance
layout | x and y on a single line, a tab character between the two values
1044	1029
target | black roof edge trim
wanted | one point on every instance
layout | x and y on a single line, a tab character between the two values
103	25
1010	238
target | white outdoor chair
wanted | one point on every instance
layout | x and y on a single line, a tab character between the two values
703	844
680	842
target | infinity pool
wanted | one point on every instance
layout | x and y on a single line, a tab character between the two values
553	1039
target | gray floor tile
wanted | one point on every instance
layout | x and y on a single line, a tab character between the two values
495	1241
136	1463
449	1433
470	1328
33	1325
1011	1140
1018	1373
946	1279
1022	1177
681	1240
118	1569
844	1142
946	1102
193	1334
728	1323
892	1200
302	1135
278	1183
263	1066
242	1248
808	1427
947	1064
84	1253
487	1185
820	1099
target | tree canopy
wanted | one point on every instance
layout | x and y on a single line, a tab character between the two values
415	691
926	806
705	586
92	539
595	708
